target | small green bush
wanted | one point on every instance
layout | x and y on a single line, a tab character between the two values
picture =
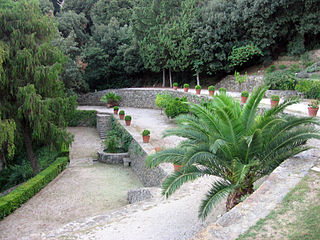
175	84
110	97
295	68
304	85
198	87
309	88
281	80
245	94
240	78
222	90
119	131
282	67
112	142
127	118
275	98
243	54
162	100
176	107
211	88
186	85
313	68
121	112
271	69
23	193
82	118
145	132
116	108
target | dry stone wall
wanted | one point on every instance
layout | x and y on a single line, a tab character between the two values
231	85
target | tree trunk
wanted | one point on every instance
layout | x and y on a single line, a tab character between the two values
31	156
163	78
170	77
235	197
198	79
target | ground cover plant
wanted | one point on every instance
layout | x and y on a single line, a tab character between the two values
237	145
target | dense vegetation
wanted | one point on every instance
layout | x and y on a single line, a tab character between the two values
118	43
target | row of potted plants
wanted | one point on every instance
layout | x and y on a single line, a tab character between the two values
313	105
198	88
128	118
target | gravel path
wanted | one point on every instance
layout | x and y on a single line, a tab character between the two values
84	189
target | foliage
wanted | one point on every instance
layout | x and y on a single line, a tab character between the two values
295	68
197	87
82	118
121	112
211	88
110	97
115	108
309	88
145	132
281	80
31	91
240	79
186	85
121	133
314	104
176	106
222	90
236	145
175	84
282	67
313	68
275	98
7	141
242	55
271	69
245	94
162	100
23	193
112	142
128	118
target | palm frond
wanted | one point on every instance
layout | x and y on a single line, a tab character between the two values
172	155
281	107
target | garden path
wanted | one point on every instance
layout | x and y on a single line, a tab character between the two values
85	188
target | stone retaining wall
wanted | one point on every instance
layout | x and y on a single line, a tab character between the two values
103	124
112	158
231	85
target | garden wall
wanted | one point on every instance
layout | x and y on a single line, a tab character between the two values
231	85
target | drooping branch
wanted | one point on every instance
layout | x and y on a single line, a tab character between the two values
60	3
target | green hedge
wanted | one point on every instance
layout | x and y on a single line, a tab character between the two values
82	118
23	193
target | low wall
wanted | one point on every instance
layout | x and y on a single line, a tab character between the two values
136	97
231	85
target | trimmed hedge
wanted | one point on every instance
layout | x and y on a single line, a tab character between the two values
83	118
9	203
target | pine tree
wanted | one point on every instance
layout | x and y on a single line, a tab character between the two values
31	93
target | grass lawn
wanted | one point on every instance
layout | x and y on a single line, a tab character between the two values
296	218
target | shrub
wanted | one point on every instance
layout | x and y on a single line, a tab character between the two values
82	118
117	130
23	193
222	90
244	94
281	80
241	55
313	68
271	69
186	85
198	87
175	84
145	132
112	142
295	68
211	88
282	67
110	97
162	100
127	118
121	112
176	107
116	108
240	78
309	88
275	98
304	85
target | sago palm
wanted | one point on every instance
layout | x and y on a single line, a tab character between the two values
238	146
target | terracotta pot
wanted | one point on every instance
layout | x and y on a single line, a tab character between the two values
115	112
121	116
146	139
274	103
211	93
313	111
175	88
128	122
177	167
186	89
244	99
158	149
198	91
109	105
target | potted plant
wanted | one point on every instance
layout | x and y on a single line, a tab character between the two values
222	90
244	96
275	100
198	89
186	87
175	86
313	108
146	136
127	119
115	110
211	90
121	114
111	99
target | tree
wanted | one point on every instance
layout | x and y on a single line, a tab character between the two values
31	93
237	146
7	146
